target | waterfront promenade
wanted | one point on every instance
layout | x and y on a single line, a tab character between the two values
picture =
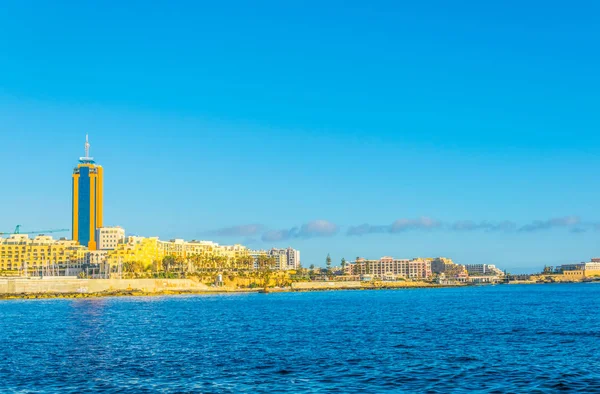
51	287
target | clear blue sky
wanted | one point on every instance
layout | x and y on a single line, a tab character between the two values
463	129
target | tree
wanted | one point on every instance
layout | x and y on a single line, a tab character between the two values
328	263
344	266
167	263
265	268
246	262
312	267
199	262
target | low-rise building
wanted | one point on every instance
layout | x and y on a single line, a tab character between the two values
19	252
146	251
485	279
188	249
588	269
390	267
483	270
443	265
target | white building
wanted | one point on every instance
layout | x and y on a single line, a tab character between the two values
285	259
290	258
109	237
293	258
483	270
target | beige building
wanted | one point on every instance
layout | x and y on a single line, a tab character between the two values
589	269
187	249
151	251
388	268
19	252
109	237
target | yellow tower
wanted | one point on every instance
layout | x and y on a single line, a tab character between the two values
88	197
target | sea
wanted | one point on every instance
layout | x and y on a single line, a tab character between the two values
488	339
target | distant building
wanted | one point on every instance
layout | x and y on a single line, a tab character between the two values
388	267
290	258
483	270
485	279
88	194
443	265
284	259
589	269
570	267
109	237
293	257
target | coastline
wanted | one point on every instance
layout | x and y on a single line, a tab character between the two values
130	292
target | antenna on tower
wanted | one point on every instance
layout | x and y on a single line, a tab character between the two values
87	159
87	146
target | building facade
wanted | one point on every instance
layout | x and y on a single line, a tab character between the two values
110	237
390	268
589	269
293	259
88	196
483	270
450	270
287	259
21	253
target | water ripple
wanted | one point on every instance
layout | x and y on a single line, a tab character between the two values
485	339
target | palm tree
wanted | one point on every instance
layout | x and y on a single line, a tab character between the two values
167	263
246	262
344	266
265	268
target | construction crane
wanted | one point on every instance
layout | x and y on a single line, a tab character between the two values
18	231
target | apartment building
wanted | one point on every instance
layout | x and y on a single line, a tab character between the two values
389	267
109	237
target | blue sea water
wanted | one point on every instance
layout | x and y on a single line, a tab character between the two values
537	338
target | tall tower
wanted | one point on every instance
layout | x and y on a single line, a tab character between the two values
88	193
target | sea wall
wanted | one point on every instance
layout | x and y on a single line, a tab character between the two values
74	285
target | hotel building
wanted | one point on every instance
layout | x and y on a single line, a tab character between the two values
388	268
19	252
88	193
483	270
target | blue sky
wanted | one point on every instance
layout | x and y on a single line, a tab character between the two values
467	130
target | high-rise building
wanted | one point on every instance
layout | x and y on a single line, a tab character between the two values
88	192
290	258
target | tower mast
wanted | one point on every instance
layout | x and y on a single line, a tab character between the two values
87	146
